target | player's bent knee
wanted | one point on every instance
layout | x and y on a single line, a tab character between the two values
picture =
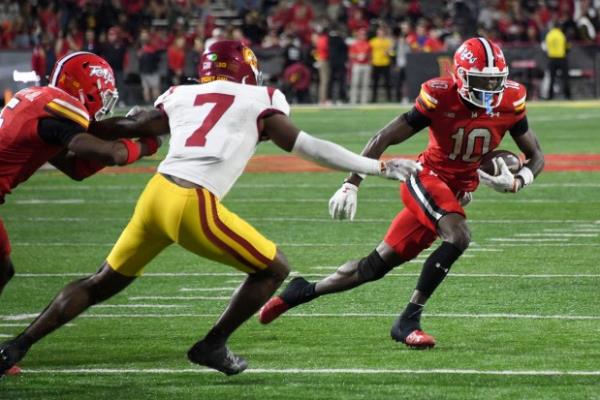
279	268
372	267
461	237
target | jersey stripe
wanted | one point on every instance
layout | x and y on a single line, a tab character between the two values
208	218
63	112
73	108
489	54
424	199
429	102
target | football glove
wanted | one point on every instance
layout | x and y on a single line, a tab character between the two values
400	169
503	182
342	204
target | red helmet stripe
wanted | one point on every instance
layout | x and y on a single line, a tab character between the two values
489	53
61	62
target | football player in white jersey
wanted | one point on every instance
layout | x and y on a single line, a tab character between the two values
215	127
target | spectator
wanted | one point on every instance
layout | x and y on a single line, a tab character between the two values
321	44
89	42
401	50
360	58
217	35
176	61
254	28
296	83
149	58
301	15
556	46
69	41
338	57
114	52
381	51
271	57
356	20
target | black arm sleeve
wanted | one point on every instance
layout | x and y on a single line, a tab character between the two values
58	132
520	128
416	119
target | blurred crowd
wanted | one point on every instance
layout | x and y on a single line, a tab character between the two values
331	51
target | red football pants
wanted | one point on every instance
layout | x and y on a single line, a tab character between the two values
427	199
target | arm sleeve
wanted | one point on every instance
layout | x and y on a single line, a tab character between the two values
416	119
58	132
333	155
519	128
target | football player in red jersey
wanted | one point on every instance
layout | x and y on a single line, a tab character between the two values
49	124
467	115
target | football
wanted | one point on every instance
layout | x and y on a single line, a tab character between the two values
489	162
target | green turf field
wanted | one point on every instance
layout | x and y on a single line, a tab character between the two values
518	318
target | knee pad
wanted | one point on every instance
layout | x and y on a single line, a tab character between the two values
372	267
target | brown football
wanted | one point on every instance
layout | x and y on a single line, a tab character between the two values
490	165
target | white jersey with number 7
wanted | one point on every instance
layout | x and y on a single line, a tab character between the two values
215	129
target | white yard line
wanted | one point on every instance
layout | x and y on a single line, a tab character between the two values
267	200
140	306
134	298
559	317
551	234
205	289
526	239
312	371
320	267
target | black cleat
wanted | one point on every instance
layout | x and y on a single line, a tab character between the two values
10	354
219	358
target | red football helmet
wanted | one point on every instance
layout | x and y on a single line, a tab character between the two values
229	60
88	78
480	71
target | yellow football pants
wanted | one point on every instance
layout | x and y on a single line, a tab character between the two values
195	219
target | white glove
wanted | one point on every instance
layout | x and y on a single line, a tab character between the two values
400	169
504	182
342	204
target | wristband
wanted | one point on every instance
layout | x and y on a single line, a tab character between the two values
526	175
151	142
133	150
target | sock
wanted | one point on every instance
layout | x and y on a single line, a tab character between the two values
215	337
412	311
436	267
23	341
299	291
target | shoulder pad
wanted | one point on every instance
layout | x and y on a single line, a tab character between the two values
277	100
62	105
516	94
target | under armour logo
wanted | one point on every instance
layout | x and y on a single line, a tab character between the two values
439	266
474	114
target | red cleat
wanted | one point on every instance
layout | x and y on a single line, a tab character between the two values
418	339
272	309
12	371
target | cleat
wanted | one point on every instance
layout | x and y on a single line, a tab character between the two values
9	356
272	309
220	358
418	339
13	371
412	336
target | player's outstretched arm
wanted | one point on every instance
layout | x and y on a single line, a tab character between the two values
114	152
142	123
284	134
